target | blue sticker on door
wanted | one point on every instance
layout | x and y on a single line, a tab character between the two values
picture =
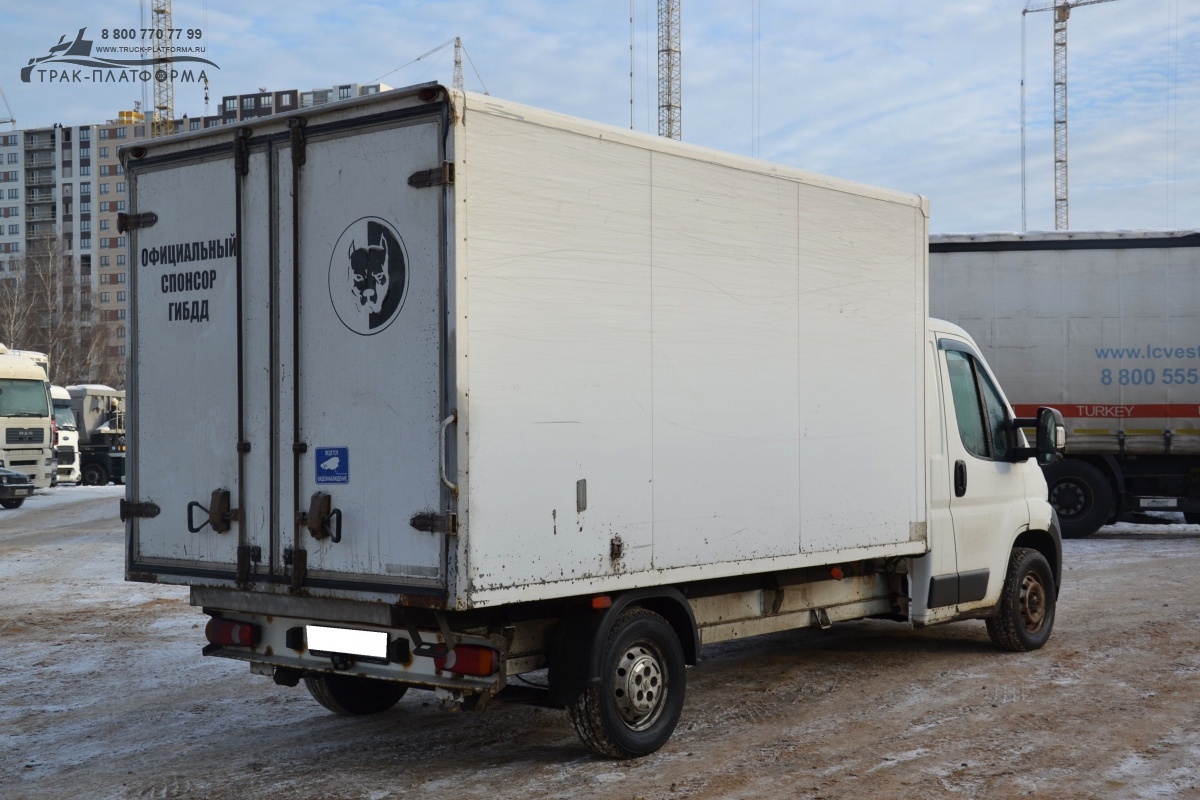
333	465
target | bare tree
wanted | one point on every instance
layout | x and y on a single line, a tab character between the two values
16	313
51	313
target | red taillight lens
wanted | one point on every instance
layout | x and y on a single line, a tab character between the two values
469	659
228	632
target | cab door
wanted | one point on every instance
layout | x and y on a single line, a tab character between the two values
987	489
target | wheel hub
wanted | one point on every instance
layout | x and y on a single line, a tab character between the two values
1033	603
640	687
1068	499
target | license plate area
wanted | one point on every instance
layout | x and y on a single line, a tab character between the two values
20	492
370	646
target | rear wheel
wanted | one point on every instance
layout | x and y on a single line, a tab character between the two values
94	475
352	696
634	709
1081	495
1026	614
12	502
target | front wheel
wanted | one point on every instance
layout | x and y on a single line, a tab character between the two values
12	502
351	696
634	709
1026	614
94	475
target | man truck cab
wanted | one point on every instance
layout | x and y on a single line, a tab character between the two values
25	419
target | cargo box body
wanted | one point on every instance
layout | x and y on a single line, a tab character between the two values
652	354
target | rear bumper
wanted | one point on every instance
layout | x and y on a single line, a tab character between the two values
282	647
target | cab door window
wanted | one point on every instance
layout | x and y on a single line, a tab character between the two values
982	418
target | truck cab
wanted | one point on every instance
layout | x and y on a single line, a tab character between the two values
986	490
25	419
67	448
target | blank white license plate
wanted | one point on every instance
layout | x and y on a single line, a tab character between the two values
20	492
1159	502
368	644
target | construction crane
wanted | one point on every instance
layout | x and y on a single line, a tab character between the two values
9	119
1062	12
164	84
670	109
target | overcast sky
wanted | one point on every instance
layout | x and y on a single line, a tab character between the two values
918	96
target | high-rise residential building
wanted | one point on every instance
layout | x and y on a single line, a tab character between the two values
61	189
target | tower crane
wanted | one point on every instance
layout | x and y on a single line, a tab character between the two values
164	84
1062	12
9	119
670	108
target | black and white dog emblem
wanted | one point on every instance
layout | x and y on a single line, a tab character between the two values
368	275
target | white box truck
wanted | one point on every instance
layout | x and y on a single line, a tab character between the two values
469	390
1105	327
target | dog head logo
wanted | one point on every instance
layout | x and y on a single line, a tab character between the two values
368	276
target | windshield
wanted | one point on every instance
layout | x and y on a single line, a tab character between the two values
23	398
65	418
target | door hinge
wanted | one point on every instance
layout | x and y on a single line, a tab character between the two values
438	176
298	561
127	221
435	523
241	151
247	554
144	510
299	150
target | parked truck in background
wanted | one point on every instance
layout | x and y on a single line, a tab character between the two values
66	448
26	419
100	415
469	390
1105	327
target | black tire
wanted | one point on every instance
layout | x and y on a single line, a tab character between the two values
1191	517
351	696
12	502
1081	495
635	708
93	475
1027	603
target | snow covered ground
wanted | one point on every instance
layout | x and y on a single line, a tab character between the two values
105	695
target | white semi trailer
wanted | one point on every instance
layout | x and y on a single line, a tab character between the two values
1104	326
469	390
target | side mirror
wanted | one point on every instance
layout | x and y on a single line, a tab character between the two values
1051	436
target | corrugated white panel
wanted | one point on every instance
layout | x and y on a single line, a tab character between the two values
559	357
726	365
731	361
862	413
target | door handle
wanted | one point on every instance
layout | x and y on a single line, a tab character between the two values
446	423
960	478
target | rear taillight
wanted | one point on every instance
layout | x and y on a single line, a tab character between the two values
228	632
469	659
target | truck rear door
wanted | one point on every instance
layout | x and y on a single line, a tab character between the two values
364	399
286	423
